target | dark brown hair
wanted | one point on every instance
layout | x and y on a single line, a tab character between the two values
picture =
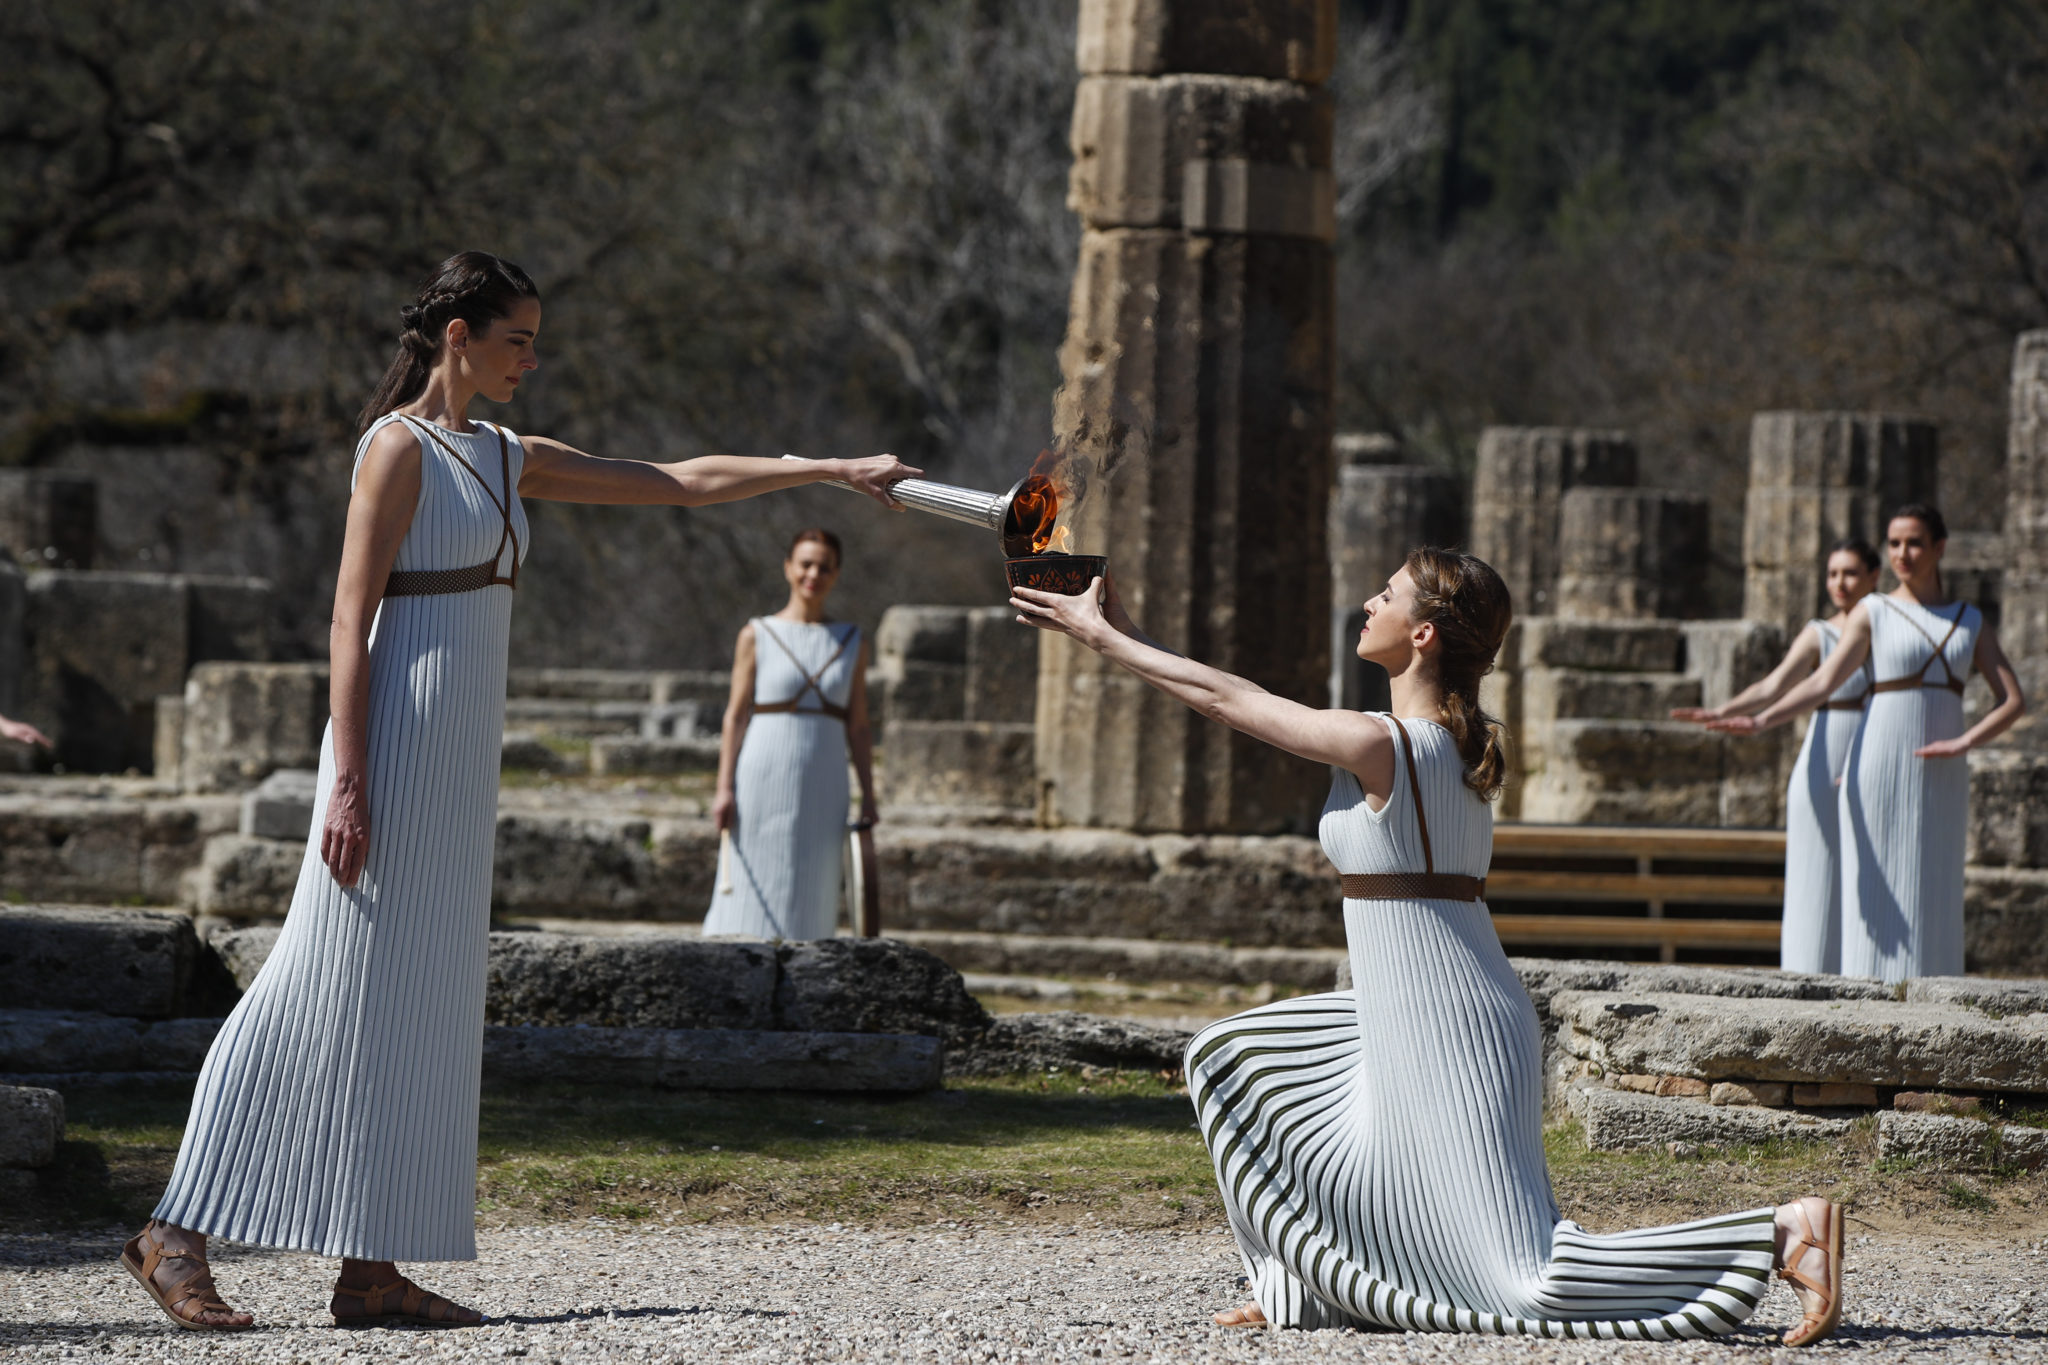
1927	516
1468	604
823	537
475	286
1860	548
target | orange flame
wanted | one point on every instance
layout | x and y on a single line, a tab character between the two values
1035	510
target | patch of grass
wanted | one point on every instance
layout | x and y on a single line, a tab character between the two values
1961	1196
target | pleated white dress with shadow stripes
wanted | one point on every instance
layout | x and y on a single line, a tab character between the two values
1380	1150
337	1110
1903	817
779	875
1811	933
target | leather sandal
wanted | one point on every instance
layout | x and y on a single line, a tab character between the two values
1251	1315
401	1301
141	1256
1816	1322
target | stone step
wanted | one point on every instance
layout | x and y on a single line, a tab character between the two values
125	846
1947	1142
141	964
1905	1044
1625	1121
1125	959
714	1059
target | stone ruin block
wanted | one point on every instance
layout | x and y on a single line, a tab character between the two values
133	963
1816	478
1603	646
1518	489
281	806
229	618
1380	509
961	767
1203	152
1630	554
49	519
244	721
1291	40
1002	668
921	663
2005	920
31	1126
102	647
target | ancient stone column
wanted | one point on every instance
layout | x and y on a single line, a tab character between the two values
1631	554
1198	357
1518	488
1380	509
1815	478
2023	618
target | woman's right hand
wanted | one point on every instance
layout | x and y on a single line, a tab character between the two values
345	838
724	807
1698	715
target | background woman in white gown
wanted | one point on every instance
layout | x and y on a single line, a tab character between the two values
1810	938
798	711
1905	791
1380	1150
336	1112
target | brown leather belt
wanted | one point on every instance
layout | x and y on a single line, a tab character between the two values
1954	685
823	708
439	582
1856	705
1412	886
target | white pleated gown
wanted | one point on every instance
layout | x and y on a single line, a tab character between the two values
337	1109
1904	818
780	875
1811	933
1380	1150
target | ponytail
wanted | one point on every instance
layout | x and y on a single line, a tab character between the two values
475	286
1470	607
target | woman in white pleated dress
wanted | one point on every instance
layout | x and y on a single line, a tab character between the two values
1380	1150
336	1112
1905	793
1810	937
798	710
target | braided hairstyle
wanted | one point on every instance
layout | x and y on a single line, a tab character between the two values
1468	604
475	286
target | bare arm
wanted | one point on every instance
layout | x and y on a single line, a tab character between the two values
23	732
1799	661
1819	685
1347	739
379	514
739	710
2008	703
558	473
860	738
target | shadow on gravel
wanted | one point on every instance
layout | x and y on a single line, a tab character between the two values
593	1314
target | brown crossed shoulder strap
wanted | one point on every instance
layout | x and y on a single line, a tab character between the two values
1920	679
811	680
1428	884
438	582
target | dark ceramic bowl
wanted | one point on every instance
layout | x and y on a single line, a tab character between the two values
1067	575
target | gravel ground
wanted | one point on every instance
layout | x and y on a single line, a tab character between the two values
596	1291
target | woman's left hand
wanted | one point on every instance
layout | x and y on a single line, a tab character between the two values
1942	748
1079	616
868	818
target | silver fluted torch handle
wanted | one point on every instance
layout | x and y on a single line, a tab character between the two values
970	505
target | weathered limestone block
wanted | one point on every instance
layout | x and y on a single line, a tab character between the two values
101	648
1581	694
167	740
1950	1143
1129	959
1806	1042
601	865
1002	668
1631	554
921	661
31	1125
873	985
1294	40
49	519
1216	523
1042	1042
969	766
281	806
136	963
83	851
230	617
1623	772
1727	656
2008	808
1772	1094
244	721
1379	511
1815	478
1621	1121
245	875
59	1042
644	982
613	755
1993	996
243	951
2005	920
1602	646
685	866
714	1059
1517	500
1203	152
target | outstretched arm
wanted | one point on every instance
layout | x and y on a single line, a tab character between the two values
558	473
1799	661
1347	739
23	732
2008	703
1819	685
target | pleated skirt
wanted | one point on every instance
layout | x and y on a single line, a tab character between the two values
1380	1156
1904	821
780	877
336	1112
1811	938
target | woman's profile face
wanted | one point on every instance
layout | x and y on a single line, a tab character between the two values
1389	637
1849	582
1912	551
496	358
811	570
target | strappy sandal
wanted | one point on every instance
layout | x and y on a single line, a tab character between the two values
1251	1315
1814	1325
401	1301
142	1255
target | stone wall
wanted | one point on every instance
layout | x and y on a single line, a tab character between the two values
957	687
1518	490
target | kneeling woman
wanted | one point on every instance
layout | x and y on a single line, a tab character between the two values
1380	1150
